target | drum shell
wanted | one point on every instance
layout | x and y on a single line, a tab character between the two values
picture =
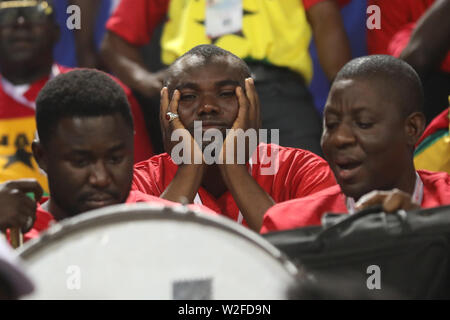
147	251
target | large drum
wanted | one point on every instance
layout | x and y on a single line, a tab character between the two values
147	251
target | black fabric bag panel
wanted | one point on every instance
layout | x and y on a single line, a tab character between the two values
411	249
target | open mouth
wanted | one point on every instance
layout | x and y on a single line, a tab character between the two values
346	170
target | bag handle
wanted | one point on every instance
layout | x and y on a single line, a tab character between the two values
330	228
349	219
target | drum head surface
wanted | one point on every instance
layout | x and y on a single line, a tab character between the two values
147	251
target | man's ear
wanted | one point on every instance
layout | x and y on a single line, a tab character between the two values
414	127
39	154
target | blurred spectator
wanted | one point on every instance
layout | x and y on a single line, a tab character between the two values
354	18
273	38
79	48
27	35
418	31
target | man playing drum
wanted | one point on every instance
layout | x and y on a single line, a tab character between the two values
208	92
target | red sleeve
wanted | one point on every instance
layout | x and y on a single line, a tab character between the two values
298	172
309	3
313	174
135	20
396	19
43	221
154	175
304	212
144	182
436	188
400	40
394	16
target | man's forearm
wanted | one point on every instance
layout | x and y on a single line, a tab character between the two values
124	60
430	40
251	199
84	37
184	186
331	40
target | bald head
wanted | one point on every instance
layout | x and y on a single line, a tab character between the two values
393	78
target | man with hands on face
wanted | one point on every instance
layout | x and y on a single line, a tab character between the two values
212	85
372	121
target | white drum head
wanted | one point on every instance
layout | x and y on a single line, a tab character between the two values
147	251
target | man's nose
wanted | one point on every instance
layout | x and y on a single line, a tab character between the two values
99	176
343	136
208	105
21	21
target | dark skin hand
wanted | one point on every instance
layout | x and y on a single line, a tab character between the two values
188	178
391	201
430	41
125	60
329	33
251	199
16	206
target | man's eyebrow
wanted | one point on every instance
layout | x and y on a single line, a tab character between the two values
227	83
117	147
82	151
330	110
188	85
335	111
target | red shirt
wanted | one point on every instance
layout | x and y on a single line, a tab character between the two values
135	20
309	211
45	219
398	20
12	109
300	173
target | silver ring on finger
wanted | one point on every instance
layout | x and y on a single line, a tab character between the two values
170	116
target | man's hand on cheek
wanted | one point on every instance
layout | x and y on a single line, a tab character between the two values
390	201
178	141
236	147
249	110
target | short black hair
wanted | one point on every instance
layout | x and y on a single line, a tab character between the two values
79	93
209	52
396	78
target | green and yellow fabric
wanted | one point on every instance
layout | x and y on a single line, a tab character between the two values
433	150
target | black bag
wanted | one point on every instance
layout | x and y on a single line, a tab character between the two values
404	254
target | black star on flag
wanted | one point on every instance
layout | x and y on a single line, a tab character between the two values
239	33
21	155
